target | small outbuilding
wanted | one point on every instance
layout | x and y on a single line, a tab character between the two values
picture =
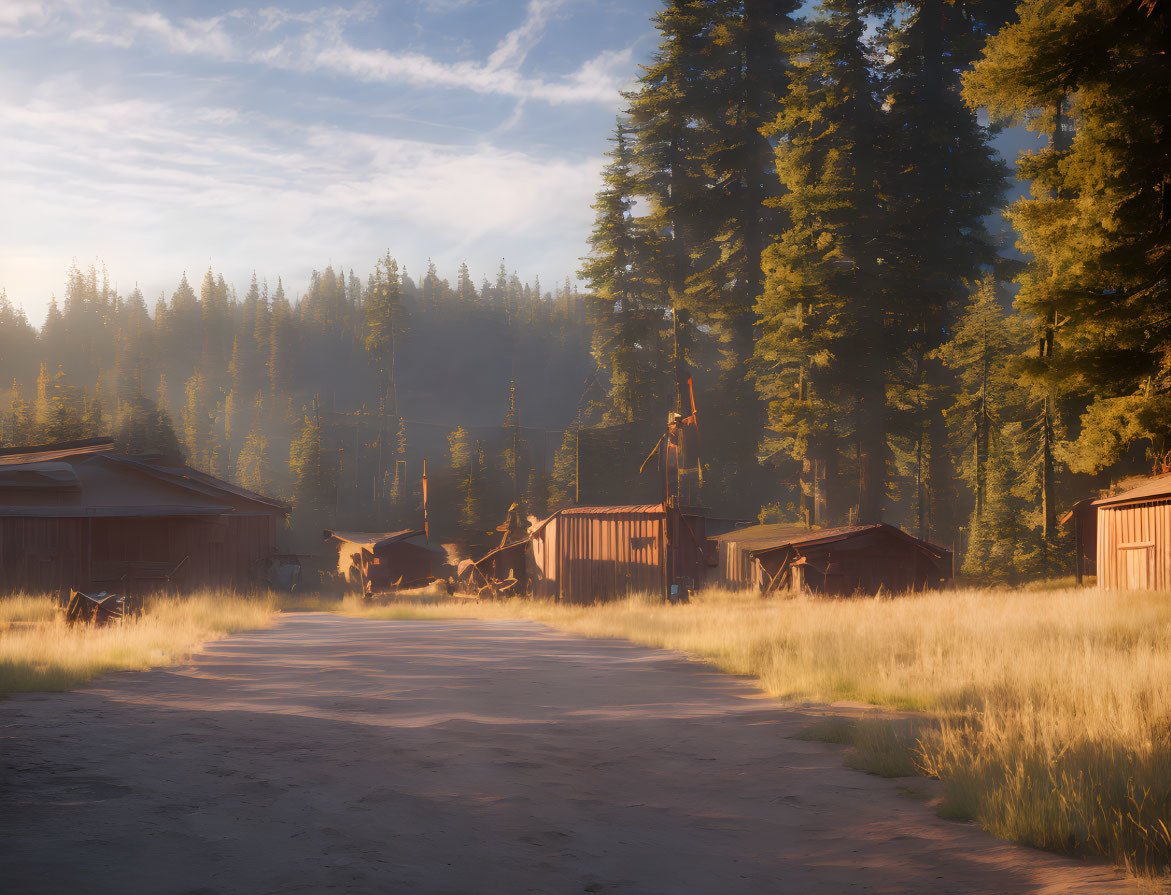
78	515
839	561
1133	536
387	561
597	554
736	565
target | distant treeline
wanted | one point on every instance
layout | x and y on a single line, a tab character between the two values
794	213
331	399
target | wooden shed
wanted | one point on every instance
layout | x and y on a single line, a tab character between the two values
382	562
78	515
857	559
596	554
736	565
1134	537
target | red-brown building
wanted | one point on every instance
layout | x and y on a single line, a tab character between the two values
1133	536
596	554
78	515
387	561
833	561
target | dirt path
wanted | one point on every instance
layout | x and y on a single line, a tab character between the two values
333	754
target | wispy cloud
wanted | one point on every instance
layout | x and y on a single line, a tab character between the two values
157	184
319	40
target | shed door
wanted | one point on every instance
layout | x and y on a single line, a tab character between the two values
1138	561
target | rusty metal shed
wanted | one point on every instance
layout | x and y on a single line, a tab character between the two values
1134	537
855	559
596	554
386	561
75	514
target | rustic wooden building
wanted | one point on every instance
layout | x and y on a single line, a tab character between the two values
78	515
387	561
736	566
1134	537
596	554
839	561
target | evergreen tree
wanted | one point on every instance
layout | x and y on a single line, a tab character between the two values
468	461
314	479
199	412
669	154
254	469
825	354
746	80
20	422
627	317
1096	79
145	431
950	182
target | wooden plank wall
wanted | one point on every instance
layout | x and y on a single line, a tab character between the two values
1134	546
46	554
39	555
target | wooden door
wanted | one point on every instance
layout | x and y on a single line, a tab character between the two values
1137	562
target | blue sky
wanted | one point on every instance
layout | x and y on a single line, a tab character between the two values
161	137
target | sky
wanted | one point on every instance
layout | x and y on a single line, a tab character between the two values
163	137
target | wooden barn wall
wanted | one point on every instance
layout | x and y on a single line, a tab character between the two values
1134	546
43	554
49	554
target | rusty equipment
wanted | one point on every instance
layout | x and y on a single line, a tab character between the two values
101	608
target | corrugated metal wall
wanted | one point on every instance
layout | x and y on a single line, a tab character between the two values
1134	546
593	557
606	557
595	554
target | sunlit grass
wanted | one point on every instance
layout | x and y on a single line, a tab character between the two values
39	651
1051	708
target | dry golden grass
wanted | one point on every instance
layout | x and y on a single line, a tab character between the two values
1052	709
38	651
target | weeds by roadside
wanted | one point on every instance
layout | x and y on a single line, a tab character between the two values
1053	707
39	651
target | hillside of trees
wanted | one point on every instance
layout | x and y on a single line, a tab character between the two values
331	399
797	212
798	217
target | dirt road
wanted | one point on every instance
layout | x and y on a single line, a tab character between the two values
333	754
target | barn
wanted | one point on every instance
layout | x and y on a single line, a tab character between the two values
832	561
76	514
1134	537
597	554
385	561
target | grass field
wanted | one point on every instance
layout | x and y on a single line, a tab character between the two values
1047	714
38	651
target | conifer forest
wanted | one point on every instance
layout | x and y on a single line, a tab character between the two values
803	222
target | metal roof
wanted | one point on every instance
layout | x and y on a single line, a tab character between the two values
645	509
829	535
56	451
1152	489
83	478
763	535
375	540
